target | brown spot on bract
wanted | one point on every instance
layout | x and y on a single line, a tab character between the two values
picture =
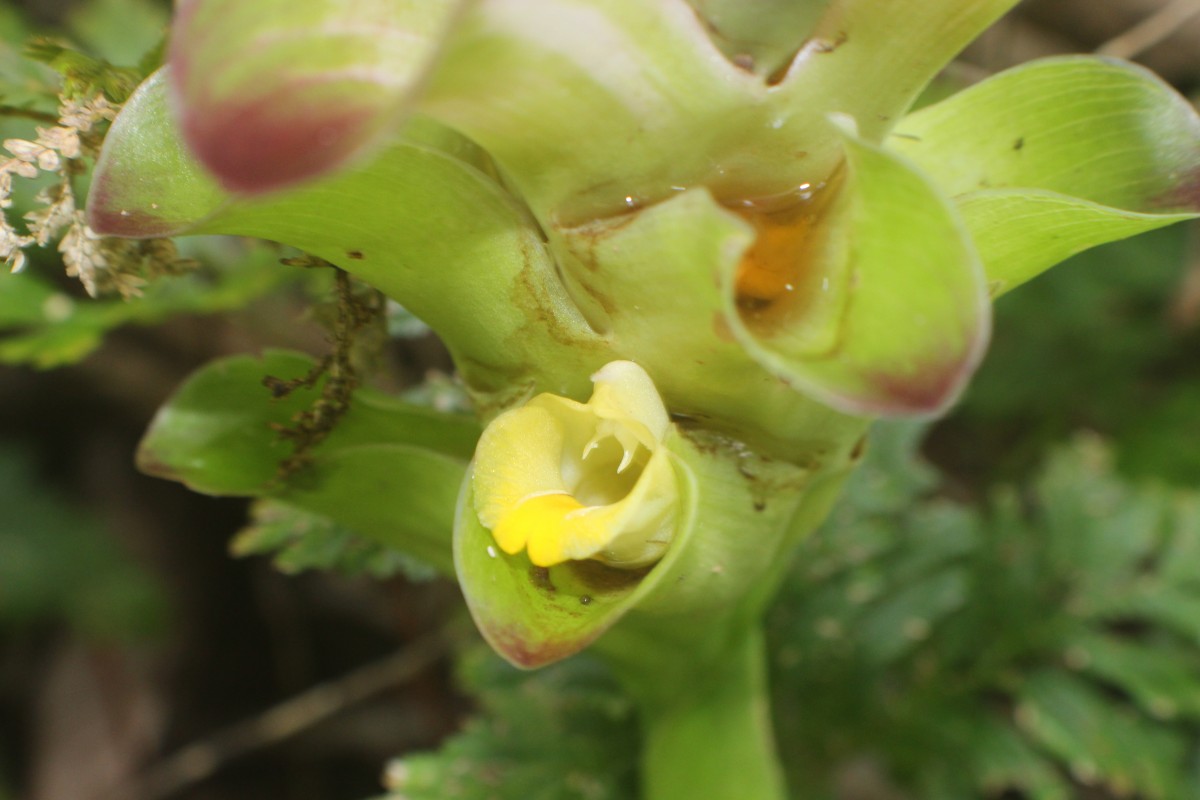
357	255
600	579
744	61
824	46
1019	144
860	447
721	327
540	577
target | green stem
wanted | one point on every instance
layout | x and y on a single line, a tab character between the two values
707	728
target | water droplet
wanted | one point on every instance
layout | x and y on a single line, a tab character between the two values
777	265
777	123
154	205
824	284
124	213
629	201
491	551
585	599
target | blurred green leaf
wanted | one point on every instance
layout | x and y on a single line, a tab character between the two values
24	83
906	617
401	496
562	733
1101	326
58	564
1164	679
299	540
390	471
219	433
1101	530
893	475
119	31
46	328
913	626
83	74
1003	760
1101	744
1163	604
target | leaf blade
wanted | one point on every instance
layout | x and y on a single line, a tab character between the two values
1111	144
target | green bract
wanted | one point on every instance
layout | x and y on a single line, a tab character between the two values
738	203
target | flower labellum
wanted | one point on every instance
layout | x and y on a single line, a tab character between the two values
571	481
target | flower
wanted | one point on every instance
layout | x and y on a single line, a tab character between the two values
572	481
812	242
558	185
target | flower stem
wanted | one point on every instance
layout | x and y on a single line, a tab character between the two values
707	729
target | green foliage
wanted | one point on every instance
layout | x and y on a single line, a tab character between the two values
388	470
1053	157
57	564
298	540
1048	643
24	83
1136	385
45	327
562	733
128	32
84	74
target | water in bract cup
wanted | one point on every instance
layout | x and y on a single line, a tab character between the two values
777	278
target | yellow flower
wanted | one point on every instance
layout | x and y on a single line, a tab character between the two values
571	481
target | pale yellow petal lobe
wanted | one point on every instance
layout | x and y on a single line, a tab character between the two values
566	481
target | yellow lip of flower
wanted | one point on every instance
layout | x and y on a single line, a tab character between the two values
570	481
